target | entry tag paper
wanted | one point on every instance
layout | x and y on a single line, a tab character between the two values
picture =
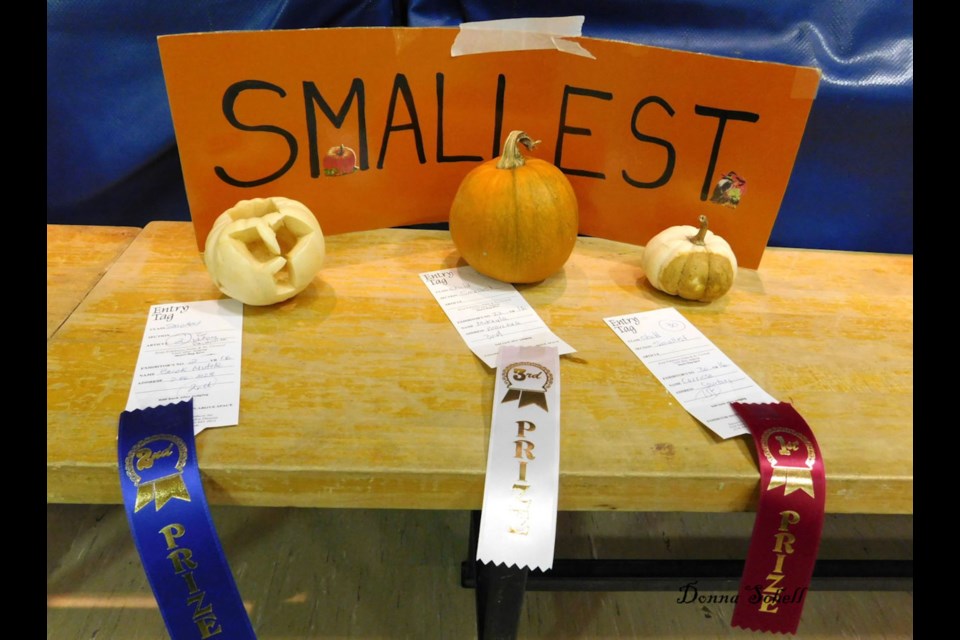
488	313
786	533
518	522
192	350
701	378
519	34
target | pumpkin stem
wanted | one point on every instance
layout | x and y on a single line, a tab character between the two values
511	158
698	239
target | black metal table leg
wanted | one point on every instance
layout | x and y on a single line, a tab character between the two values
499	591
499	598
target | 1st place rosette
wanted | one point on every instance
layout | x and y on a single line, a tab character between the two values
789	522
172	528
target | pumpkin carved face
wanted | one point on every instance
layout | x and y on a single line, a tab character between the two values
692	263
513	218
265	250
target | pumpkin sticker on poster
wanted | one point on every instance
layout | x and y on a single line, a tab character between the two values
340	160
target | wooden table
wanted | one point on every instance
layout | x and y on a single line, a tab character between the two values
77	257
360	393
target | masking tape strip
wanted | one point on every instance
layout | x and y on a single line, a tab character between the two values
520	34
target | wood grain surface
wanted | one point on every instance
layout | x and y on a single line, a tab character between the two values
359	392
77	257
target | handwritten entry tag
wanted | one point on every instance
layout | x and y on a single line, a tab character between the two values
702	379
518	523
488	313
192	350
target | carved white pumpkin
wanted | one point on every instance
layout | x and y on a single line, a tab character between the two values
695	264
265	250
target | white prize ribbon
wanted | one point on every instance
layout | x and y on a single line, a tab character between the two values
518	523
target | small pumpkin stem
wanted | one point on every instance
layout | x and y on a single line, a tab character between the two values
698	239
511	158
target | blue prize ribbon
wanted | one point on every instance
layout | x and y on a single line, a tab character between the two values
172	528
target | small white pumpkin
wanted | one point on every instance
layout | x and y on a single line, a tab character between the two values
695	264
265	250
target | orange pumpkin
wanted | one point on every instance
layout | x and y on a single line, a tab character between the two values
513	218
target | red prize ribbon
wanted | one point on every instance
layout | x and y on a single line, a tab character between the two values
786	533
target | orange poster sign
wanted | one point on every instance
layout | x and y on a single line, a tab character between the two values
376	127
